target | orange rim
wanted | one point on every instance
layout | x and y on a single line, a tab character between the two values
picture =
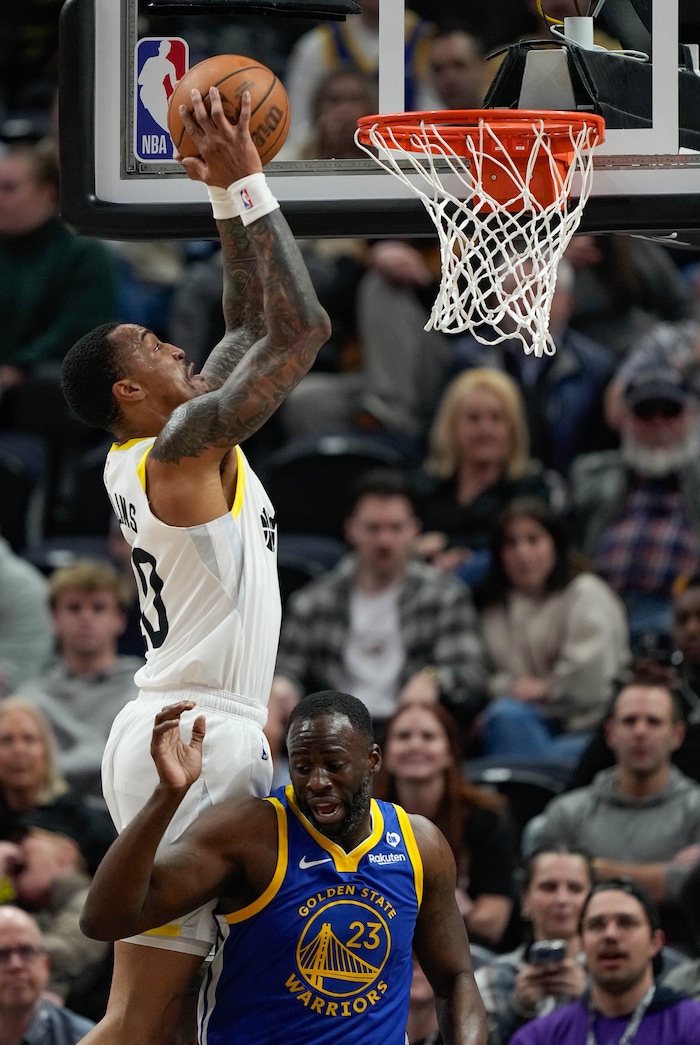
454	126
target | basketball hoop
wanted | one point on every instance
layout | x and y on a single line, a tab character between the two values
497	184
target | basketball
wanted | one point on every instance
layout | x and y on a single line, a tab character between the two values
233	74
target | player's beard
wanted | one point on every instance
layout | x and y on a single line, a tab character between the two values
658	462
357	811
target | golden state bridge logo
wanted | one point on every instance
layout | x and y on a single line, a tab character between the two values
342	950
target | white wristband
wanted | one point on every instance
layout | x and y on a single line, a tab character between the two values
222	206
252	198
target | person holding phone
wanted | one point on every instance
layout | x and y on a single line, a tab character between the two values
546	971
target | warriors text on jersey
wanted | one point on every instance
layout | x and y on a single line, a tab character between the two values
324	955
209	594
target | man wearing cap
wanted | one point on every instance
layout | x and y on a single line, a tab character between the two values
622	940
637	509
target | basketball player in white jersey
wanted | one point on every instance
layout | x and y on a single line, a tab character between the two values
202	532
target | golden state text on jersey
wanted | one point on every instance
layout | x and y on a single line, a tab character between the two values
324	955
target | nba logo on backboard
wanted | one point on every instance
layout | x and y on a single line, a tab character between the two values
160	63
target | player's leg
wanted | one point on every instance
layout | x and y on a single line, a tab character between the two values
146	997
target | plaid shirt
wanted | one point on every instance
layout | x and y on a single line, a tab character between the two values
650	544
438	628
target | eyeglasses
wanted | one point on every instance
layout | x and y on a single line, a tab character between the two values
26	954
649	408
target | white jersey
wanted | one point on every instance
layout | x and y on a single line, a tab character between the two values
209	594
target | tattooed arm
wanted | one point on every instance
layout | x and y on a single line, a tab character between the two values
275	327
227	153
242	302
297	326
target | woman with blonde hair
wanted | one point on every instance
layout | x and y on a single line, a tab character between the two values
33	792
478	461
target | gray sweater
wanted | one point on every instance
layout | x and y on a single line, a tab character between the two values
81	710
607	823
26	635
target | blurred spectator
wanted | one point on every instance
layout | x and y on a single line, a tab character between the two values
196	318
32	791
404	364
82	693
691	276
493	23
26	1014
622	941
642	817
45	875
676	344
623	287
478	461
637	509
54	285
421	771
401	366
686	977
520	986
28	64
683	659
342	96
563	393
25	626
381	625
422	1024
458	69
556	638
354	42
148	274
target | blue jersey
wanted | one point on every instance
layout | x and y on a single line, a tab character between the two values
324	955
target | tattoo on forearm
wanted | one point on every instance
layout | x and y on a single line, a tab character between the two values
242	302
243	290
231	349
269	263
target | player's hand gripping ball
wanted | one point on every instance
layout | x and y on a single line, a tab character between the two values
233	74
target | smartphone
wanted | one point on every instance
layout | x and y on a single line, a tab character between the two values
545	952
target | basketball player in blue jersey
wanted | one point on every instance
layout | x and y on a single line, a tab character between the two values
201	530
323	892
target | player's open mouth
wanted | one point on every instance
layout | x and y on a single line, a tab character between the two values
326	812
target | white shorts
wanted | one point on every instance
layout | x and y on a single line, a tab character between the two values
236	760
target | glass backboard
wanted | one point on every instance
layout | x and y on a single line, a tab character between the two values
117	183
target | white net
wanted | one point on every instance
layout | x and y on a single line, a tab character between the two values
499	253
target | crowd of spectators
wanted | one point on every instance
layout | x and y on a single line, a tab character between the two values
522	590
